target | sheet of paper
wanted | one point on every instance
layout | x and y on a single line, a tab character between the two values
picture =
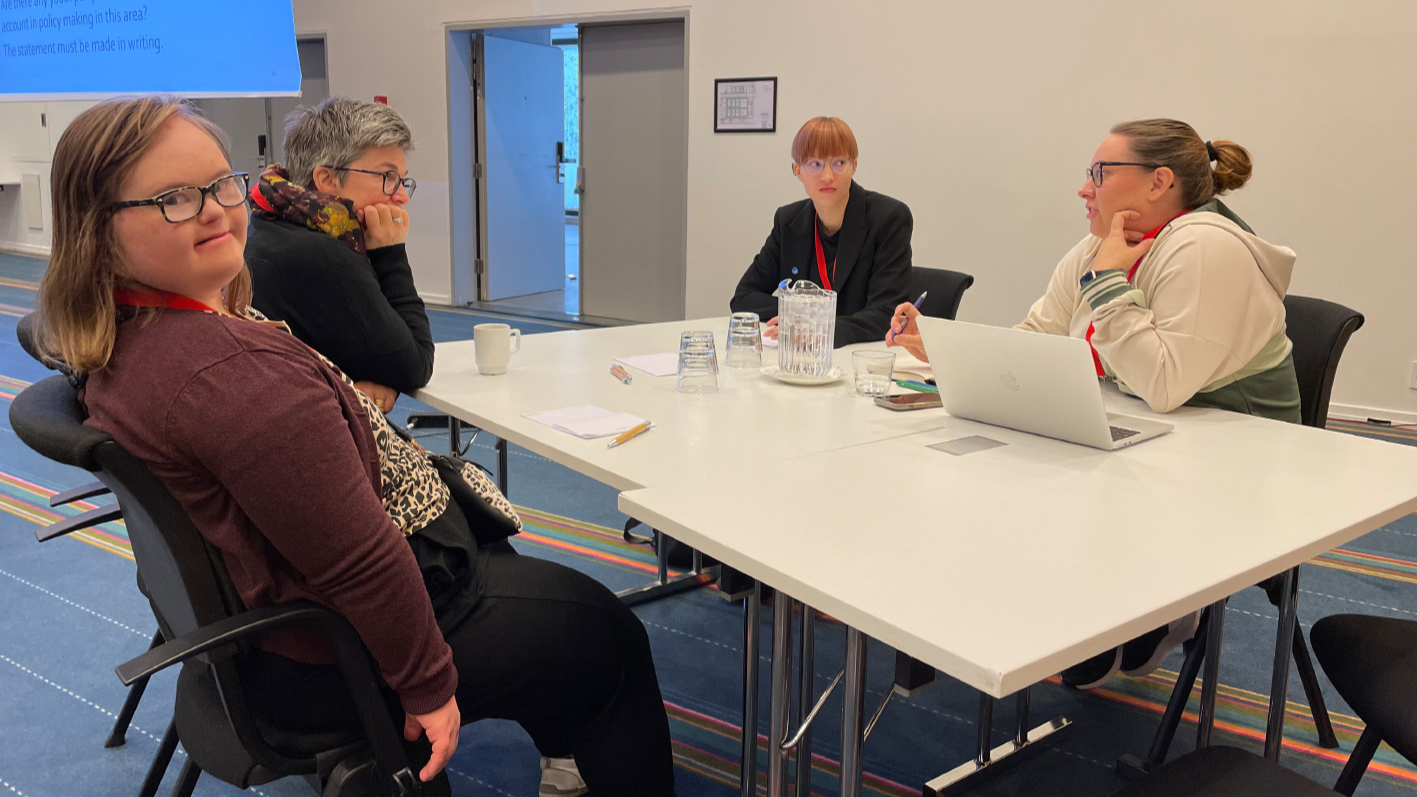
653	364
907	366
587	421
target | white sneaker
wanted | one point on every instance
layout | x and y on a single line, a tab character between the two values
1146	658
560	778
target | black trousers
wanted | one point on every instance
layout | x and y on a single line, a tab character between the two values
534	642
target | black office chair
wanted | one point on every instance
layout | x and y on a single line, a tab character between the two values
24	332
198	609
1373	662
946	290
1319	330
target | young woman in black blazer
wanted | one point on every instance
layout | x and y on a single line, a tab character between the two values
842	237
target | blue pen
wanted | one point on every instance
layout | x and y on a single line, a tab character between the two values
917	307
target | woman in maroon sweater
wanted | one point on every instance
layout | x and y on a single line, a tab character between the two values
298	480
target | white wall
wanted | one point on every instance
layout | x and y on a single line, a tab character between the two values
29	132
982	116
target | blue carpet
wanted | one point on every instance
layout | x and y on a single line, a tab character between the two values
71	613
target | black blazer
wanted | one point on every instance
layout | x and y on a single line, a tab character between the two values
872	263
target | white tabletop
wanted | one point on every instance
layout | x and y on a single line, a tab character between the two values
751	420
1005	566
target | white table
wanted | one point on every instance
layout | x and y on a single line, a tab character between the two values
752	420
1101	547
749	421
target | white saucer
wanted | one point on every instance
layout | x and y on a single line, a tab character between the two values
796	379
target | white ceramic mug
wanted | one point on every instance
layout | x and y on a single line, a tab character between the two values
492	347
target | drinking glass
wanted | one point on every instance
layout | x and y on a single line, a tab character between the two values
745	342
698	373
873	372
701	341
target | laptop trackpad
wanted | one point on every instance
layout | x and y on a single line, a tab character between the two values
967	445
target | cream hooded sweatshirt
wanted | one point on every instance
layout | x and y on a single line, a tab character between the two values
1202	323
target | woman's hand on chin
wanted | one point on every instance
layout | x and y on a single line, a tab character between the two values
1122	247
384	225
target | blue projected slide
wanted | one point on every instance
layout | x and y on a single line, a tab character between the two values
89	49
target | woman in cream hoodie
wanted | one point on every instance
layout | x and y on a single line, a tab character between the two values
1183	304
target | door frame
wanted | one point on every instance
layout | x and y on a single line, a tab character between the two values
467	209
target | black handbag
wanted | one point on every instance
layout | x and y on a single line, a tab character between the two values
478	498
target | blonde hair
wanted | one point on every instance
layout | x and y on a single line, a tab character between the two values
823	137
1177	146
76	317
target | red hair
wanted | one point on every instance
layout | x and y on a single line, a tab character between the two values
823	137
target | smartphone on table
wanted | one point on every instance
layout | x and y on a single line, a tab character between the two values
910	401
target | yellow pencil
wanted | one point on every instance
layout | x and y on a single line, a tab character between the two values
630	435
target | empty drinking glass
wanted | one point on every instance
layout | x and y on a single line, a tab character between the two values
873	372
699	340
698	373
745	342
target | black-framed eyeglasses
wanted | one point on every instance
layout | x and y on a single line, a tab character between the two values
392	181
1094	172
183	204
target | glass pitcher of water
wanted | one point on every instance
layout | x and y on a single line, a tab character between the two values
806	328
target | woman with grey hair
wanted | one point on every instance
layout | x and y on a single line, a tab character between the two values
326	247
326	253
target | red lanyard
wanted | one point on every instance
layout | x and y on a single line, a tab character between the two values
821	258
1131	273
157	298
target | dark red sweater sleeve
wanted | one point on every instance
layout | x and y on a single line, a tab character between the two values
274	433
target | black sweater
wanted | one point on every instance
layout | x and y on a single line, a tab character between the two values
364	315
872	263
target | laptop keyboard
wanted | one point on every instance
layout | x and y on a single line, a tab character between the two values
1118	433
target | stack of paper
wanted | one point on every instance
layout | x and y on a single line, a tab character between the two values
587	421
653	364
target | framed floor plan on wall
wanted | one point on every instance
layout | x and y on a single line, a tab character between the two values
745	105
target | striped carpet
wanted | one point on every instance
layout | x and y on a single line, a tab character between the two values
71	613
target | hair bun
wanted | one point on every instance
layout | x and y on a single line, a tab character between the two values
1232	165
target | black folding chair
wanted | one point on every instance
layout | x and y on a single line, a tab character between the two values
1319	331
1373	663
946	290
200	613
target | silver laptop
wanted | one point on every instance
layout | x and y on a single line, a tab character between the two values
1041	384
